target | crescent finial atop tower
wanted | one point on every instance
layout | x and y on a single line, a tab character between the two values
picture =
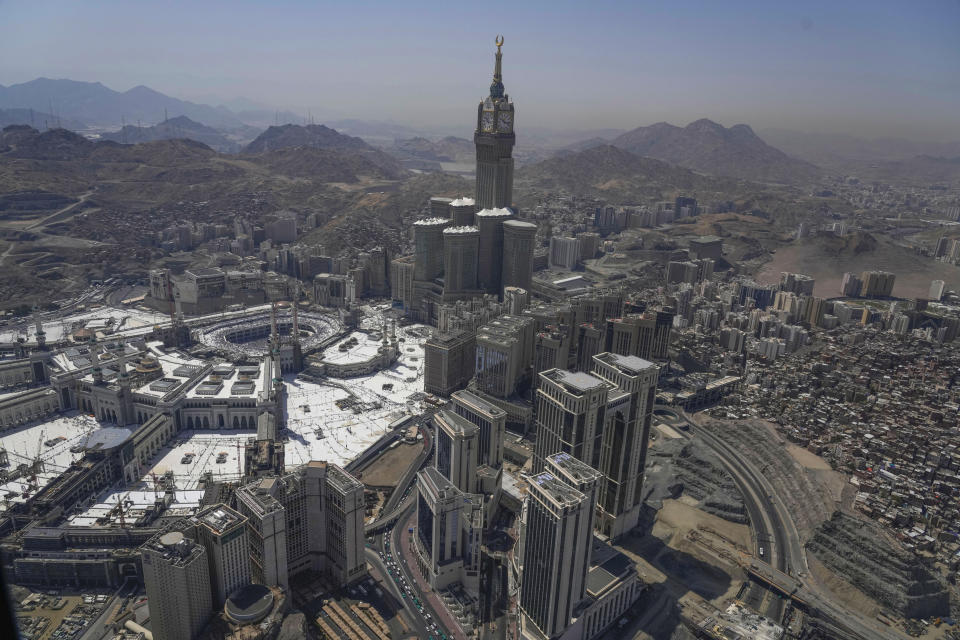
496	88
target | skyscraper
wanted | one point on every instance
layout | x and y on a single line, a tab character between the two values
603	419
457	449
308	519
223	534
571	411
877	284
490	223
460	259
448	361
177	580
628	414
428	238
462	211
558	537
494	139
449	530
492	423
519	238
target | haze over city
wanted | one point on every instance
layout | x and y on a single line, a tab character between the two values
558	321
883	69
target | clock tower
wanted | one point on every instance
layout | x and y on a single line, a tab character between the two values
495	139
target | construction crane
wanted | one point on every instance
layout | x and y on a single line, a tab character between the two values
123	522
37	466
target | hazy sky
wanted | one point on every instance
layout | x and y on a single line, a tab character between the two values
871	68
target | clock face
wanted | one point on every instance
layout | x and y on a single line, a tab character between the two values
505	123
486	121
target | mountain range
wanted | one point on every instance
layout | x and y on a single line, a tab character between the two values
614	174
839	151
708	147
97	105
174	128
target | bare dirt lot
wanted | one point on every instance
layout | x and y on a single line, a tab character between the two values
386	470
806	458
812	257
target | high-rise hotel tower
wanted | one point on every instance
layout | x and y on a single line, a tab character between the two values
495	139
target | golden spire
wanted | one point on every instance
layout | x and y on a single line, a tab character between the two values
496	88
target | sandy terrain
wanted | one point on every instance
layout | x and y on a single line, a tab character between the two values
667	431
683	517
807	459
914	273
843	590
386	470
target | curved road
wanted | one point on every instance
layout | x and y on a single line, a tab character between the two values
787	553
766	547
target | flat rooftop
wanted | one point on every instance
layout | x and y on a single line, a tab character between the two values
576	381
220	519
474	401
456	423
580	471
629	364
556	490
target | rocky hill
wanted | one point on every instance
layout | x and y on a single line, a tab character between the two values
708	147
329	165
860	553
95	104
179	127
312	135
612	174
23	141
82	208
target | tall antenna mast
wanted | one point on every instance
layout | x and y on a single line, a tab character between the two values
165	114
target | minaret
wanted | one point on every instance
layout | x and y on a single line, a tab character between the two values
295	338
41	336
274	334
494	139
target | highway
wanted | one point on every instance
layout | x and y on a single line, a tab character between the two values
787	553
385	575
385	553
766	546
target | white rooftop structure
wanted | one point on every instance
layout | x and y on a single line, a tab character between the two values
501	212
461	230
